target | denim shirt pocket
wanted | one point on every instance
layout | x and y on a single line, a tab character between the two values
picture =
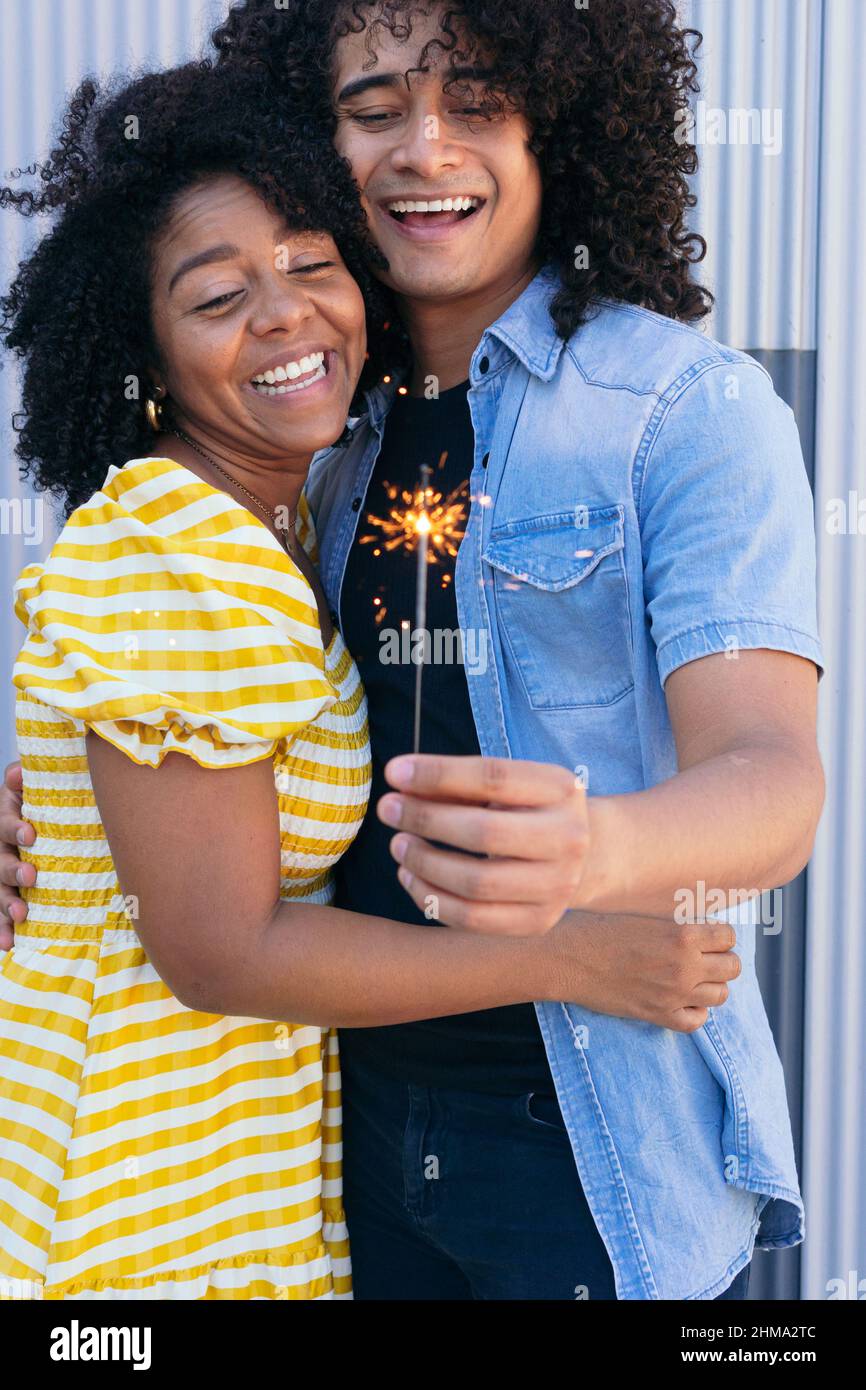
561	596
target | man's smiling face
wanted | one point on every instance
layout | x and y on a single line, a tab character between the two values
411	142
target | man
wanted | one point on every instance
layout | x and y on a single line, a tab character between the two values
636	586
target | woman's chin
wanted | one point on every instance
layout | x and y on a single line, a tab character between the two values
302	421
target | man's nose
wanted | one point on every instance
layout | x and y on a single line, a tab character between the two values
425	146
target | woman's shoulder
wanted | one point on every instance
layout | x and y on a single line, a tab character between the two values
155	537
156	497
142	495
165	606
120	525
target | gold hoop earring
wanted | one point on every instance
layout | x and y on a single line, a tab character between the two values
153	410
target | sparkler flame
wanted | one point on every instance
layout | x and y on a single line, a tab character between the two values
423	512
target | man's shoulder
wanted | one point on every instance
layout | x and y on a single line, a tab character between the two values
628	348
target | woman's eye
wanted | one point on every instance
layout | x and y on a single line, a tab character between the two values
219	301
314	265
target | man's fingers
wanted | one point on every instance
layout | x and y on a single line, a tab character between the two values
13	830
12	907
494	919
717	936
14	912
14	874
479	880
481	780
710	996
14	780
688	1020
721	966
532	834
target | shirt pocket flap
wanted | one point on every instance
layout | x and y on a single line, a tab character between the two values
556	552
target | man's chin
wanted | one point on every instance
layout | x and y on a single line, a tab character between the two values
425	281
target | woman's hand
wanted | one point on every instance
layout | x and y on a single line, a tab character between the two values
13	874
529	819
644	968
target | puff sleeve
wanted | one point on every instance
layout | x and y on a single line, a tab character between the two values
167	618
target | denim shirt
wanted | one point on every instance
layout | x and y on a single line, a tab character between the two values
638	501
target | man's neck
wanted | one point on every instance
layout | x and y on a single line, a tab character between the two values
445	332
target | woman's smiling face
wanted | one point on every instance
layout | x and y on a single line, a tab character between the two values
260	328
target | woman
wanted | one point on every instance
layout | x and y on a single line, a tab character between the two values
193	329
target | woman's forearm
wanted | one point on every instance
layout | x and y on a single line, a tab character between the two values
324	966
198	854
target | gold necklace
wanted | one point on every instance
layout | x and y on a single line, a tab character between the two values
285	531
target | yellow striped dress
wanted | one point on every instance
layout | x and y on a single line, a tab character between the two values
146	1150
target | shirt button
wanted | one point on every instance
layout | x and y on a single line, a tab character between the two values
484	364
334	616
356	504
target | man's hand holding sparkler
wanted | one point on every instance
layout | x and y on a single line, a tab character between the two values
743	729
529	819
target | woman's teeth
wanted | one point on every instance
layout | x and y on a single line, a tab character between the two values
282	381
437	205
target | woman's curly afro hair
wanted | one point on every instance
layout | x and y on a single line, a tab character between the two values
604	89
79	311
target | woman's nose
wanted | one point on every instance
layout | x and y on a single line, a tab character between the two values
282	304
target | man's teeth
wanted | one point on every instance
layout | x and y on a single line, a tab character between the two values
290	373
437	205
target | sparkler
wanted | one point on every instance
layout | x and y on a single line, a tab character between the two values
422	529
432	526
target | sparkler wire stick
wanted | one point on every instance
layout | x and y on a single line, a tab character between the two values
430	525
422	528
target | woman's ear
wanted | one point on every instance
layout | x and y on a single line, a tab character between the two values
153	407
154	384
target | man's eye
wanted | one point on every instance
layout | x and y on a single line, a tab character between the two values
475	113
219	301
375	118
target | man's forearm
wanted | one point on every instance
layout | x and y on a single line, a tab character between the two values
742	822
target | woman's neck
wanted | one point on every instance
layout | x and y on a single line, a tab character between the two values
275	483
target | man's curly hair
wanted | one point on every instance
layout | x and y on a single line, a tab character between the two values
604	89
79	310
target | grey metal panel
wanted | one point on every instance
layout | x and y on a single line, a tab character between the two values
781	950
757	209
835	1035
781	961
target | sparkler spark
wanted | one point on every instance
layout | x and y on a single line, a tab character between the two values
427	524
423	511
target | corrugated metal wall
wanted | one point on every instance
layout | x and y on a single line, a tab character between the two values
835	1090
759	209
786	232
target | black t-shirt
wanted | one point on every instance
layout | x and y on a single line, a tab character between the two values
496	1050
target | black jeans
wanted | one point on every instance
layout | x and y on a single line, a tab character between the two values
453	1195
